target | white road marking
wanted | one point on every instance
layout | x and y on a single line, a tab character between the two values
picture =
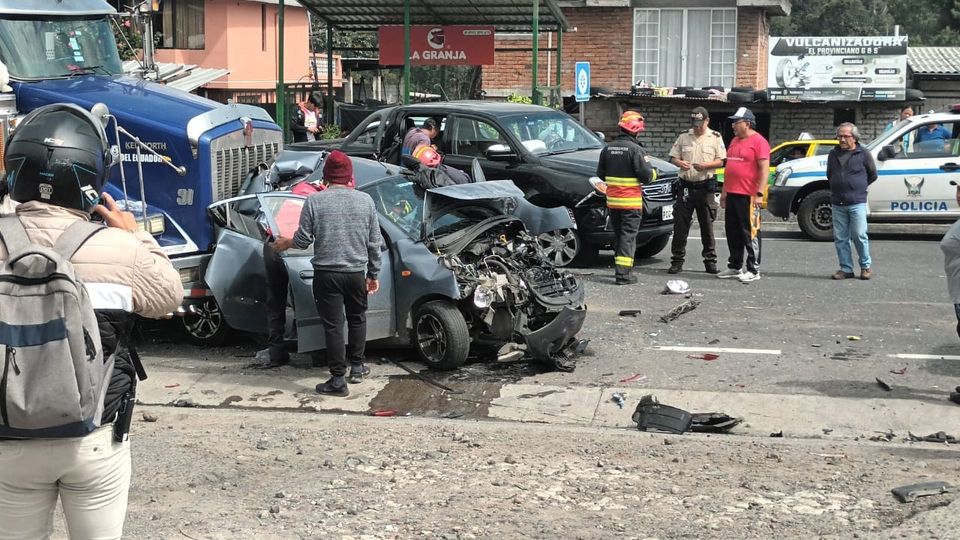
908	356
719	349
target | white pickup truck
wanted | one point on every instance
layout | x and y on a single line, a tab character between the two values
916	159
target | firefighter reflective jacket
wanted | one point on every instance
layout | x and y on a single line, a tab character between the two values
624	167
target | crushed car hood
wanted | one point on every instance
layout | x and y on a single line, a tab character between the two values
585	161
502	196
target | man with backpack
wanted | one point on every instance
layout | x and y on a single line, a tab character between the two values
68	291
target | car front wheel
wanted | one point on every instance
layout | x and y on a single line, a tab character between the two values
815	216
560	246
204	325
440	335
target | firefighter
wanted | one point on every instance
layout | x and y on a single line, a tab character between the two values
624	166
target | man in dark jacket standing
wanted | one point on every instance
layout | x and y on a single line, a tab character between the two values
342	225
624	167
850	169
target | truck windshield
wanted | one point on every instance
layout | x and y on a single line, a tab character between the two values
51	48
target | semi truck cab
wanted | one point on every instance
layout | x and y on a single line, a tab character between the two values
65	51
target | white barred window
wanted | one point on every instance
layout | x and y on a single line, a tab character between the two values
685	47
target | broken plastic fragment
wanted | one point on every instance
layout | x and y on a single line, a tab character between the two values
705	356
636	377
676	286
629	312
853	338
910	493
900	371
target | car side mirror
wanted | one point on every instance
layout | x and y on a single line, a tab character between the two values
600	135
887	152
500	152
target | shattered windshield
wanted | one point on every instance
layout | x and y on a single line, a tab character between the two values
400	201
51	48
552	132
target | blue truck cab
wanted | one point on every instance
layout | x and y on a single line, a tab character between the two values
65	51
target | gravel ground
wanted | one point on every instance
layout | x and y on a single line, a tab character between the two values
215	474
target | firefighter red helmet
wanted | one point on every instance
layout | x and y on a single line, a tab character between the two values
631	122
427	155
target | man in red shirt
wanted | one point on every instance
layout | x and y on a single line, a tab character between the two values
746	169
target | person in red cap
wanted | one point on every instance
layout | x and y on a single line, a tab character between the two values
624	167
342	225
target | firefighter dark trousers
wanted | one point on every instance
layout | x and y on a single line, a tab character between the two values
626	224
737	224
703	202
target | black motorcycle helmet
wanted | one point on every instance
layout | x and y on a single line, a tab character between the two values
59	154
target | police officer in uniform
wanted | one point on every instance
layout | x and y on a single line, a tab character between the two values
624	167
698	152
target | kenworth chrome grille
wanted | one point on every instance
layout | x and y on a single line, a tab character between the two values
658	192
231	160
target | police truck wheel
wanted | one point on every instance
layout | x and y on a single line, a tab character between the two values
204	324
440	335
815	216
654	246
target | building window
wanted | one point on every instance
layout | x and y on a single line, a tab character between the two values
179	24
685	47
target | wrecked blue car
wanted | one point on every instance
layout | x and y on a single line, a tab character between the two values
462	269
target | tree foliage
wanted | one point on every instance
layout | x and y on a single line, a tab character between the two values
927	22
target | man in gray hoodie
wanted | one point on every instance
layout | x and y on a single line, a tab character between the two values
342	225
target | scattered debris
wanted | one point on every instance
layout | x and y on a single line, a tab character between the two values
685	307
510	356
778	434
383	412
829	456
817	345
827	430
171	385
676	286
705	356
883	436
939	436
629	312
185	402
651	415
900	371
636	377
853	338
713	422
149	417
883	384
619	399
713	342
910	493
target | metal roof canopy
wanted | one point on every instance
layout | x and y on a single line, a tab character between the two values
370	15
503	15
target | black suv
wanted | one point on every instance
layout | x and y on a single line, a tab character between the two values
545	152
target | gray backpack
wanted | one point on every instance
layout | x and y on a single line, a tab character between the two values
54	378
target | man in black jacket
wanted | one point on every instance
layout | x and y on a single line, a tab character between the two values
850	169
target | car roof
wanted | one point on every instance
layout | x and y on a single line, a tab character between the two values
493	108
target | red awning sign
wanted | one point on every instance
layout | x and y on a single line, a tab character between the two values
438	45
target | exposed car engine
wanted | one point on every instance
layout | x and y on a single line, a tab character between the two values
508	289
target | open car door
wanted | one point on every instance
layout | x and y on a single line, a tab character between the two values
236	273
282	213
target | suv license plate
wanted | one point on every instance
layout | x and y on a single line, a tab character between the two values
666	213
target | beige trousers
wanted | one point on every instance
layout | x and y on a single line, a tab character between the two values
91	475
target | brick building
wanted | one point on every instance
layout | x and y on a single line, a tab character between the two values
671	43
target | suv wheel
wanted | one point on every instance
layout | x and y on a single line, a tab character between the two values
815	216
560	246
654	246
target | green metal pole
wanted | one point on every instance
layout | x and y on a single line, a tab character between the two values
406	52
328	104
535	92
281	112
559	56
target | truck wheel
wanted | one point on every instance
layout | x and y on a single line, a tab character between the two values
654	246
204	325
560	246
815	216
440	335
